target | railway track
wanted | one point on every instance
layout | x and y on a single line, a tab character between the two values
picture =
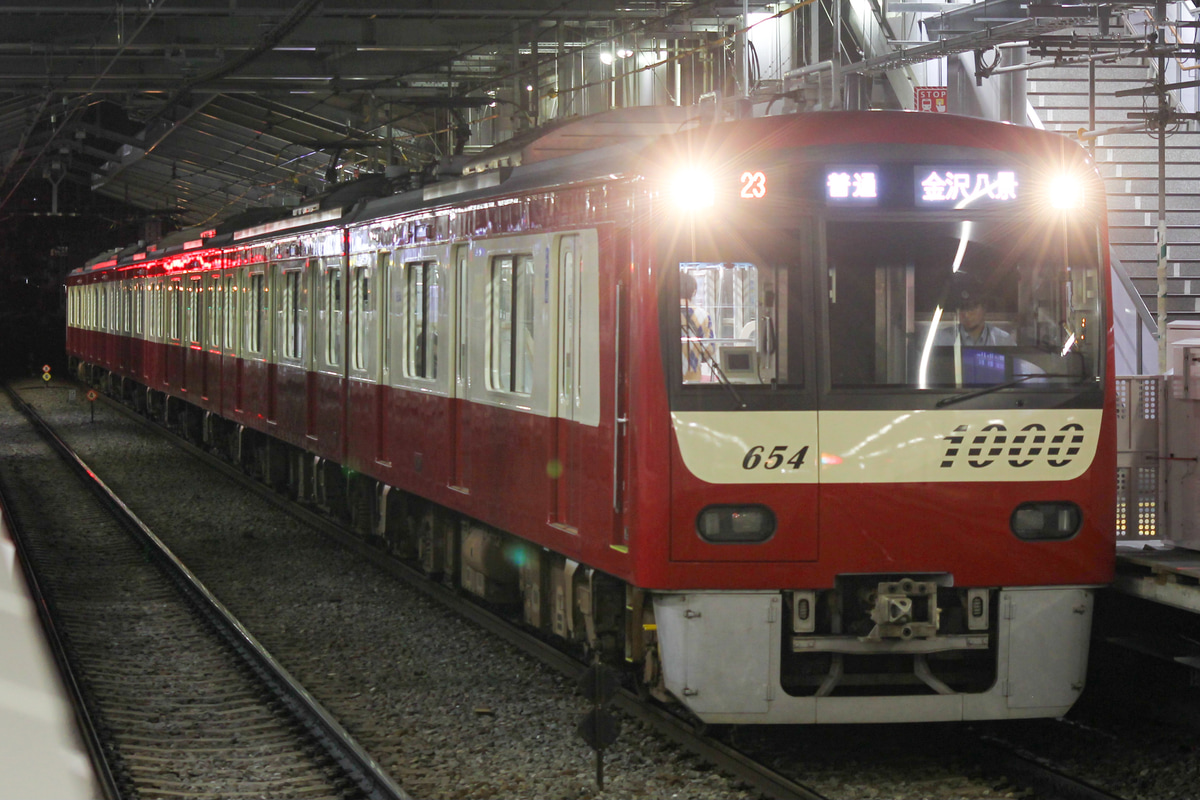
184	701
745	758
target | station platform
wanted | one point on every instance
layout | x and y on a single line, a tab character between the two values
41	750
1162	574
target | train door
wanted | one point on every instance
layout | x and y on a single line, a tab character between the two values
231	315
390	273
256	351
461	292
568	457
317	348
193	351
362	354
212	352
328	363
210	300
173	371
274	289
125	328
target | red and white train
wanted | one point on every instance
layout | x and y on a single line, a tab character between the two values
813	489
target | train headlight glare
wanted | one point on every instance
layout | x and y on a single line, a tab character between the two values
692	190
736	524
1066	192
1046	520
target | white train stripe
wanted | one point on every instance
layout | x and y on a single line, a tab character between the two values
887	446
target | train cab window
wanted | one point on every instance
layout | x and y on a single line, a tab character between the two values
423	298
962	304
730	320
510	324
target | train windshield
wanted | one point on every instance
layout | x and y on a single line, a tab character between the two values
964	304
950	307
729	324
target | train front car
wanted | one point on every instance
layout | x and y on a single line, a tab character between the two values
886	346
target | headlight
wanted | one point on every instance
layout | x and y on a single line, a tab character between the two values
1039	521
692	189
736	524
1065	191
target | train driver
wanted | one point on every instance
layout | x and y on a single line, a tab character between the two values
973	330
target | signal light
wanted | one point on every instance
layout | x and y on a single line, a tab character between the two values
804	618
736	524
1046	520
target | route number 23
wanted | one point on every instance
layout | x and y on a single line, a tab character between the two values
754	185
780	454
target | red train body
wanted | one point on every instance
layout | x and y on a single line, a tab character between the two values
810	497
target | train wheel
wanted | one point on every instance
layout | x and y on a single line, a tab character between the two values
435	544
399	527
362	506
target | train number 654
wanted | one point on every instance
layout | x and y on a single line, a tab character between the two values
780	454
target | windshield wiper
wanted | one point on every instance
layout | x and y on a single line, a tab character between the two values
946	401
708	359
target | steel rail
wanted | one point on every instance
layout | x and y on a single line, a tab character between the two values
323	726
683	732
1023	769
93	742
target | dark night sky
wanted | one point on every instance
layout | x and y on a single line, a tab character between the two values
36	253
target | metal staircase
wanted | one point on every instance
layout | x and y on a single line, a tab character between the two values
1129	163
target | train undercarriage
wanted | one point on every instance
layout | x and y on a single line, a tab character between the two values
873	648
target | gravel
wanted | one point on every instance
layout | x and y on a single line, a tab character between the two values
455	713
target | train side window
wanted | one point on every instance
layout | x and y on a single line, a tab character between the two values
568	326
257	310
360	309
423	295
510	324
139	309
333	316
191	312
231	313
292	302
127	307
214	307
175	322
158	310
